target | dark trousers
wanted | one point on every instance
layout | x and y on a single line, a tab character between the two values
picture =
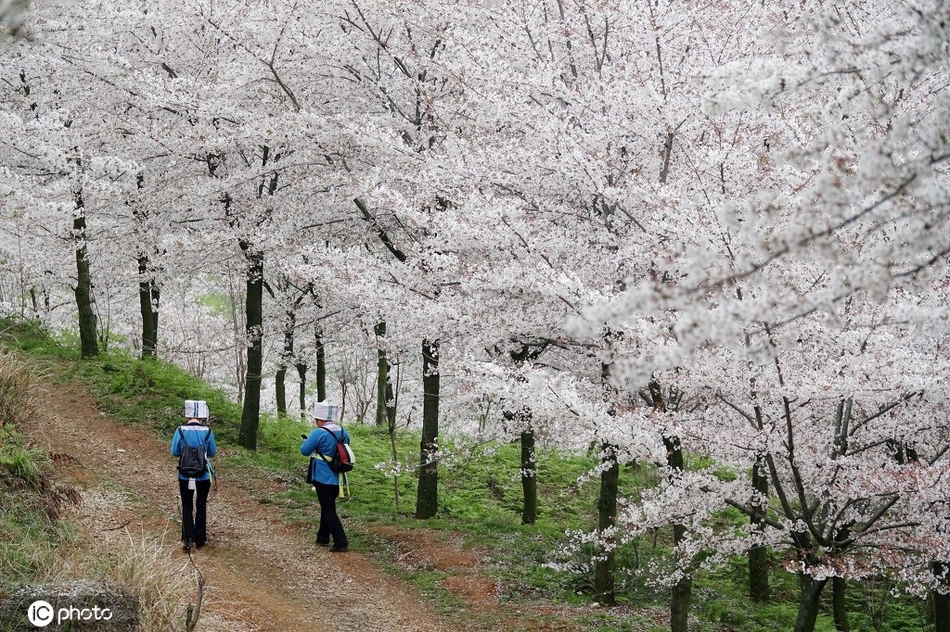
330	524
194	511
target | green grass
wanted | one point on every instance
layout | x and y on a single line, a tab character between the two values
479	500
29	502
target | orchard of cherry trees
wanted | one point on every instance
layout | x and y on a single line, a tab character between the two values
657	228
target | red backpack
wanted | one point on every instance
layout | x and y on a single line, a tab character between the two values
341	459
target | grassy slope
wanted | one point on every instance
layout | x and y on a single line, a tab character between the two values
29	505
479	499
37	546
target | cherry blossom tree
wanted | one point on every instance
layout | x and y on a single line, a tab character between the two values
634	226
817	271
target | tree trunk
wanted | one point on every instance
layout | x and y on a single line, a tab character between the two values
383	386
839	607
941	611
148	288
808	603
302	376
427	493
759	556
280	390
286	356
941	599
606	519
89	346
254	315
321	368
682	591
153	331
148	306
529	478
251	415
390	402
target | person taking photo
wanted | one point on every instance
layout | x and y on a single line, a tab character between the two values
322	442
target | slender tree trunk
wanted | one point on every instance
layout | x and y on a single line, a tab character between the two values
427	493
391	427
682	591
808	603
759	555
89	346
941	599
153	330
251	415
148	288
302	377
254	315
390	402
606	520
838	586
280	389
383	386
321	368
148	306
529	477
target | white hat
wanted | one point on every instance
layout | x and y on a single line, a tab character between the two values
326	411
196	409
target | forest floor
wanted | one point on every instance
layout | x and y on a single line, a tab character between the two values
260	573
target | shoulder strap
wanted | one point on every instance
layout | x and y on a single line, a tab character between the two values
204	441
339	439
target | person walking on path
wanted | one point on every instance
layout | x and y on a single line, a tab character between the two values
195	440
322	441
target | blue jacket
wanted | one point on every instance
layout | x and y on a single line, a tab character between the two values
320	442
194	434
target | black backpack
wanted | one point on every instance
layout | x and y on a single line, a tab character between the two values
193	461
342	459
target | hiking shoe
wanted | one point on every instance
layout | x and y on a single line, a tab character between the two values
186	546
339	549
319	543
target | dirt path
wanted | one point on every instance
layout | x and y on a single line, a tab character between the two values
260	574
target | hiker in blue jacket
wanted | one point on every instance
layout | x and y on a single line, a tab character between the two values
194	488
322	440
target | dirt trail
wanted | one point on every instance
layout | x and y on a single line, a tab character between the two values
260	574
